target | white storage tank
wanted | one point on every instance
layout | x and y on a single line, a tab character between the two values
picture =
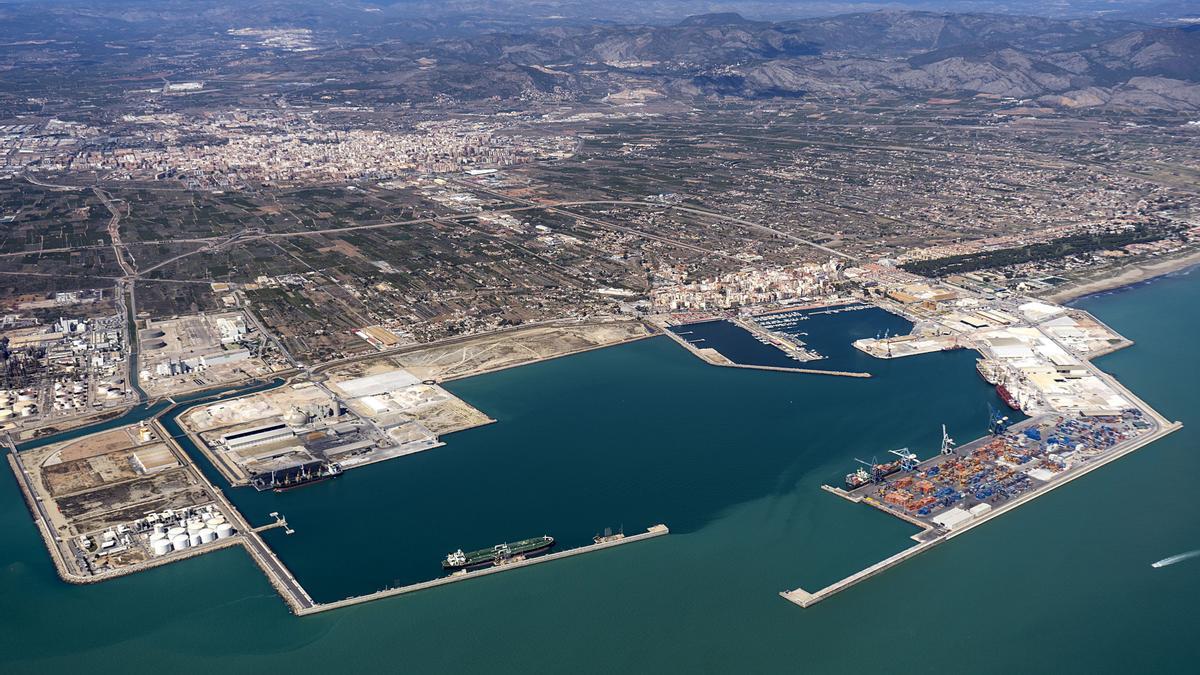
195	525
159	528
207	535
175	532
214	523
181	542
159	536
195	539
161	546
224	530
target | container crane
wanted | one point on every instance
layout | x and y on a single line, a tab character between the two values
908	460
997	423
947	442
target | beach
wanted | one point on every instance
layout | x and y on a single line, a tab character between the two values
1123	275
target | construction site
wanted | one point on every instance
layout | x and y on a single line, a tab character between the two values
508	349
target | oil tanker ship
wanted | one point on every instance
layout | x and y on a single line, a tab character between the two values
498	554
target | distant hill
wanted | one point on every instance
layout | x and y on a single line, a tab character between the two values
1115	64
1073	63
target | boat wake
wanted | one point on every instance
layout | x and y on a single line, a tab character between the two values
1176	559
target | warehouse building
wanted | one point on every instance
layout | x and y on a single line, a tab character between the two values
259	435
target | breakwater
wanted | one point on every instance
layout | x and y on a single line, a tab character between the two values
650	533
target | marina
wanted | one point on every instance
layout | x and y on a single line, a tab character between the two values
771	356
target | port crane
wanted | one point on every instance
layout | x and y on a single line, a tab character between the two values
908	459
872	468
947	442
997	422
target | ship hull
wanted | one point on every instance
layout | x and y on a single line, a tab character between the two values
305	483
295	479
986	372
881	470
488	562
1007	397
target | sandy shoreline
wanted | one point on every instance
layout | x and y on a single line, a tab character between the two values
1124	275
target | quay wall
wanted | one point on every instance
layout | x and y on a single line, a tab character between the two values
655	531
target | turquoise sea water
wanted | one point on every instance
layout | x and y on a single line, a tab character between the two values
732	460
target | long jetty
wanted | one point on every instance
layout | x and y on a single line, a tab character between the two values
715	358
650	533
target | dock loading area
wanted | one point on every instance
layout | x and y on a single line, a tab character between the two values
979	480
945	491
650	533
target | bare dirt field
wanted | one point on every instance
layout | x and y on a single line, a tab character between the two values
496	352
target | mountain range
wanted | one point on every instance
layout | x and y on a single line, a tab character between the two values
1071	63
1104	63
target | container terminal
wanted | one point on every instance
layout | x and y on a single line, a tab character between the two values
1038	356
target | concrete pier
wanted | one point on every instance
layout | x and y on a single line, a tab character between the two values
650	533
280	521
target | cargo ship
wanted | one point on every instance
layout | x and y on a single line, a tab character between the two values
861	477
297	476
989	370
1007	397
498	554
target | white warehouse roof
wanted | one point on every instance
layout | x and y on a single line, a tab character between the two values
377	384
